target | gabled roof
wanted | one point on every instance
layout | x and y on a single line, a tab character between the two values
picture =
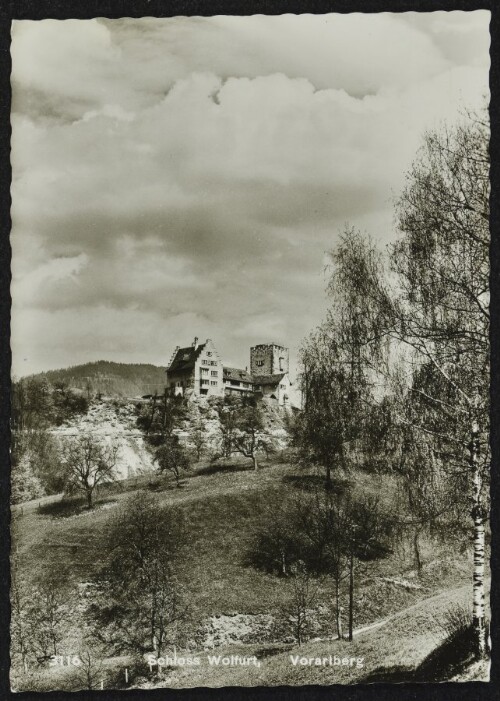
237	374
185	358
268	379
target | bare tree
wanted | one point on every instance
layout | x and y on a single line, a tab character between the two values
227	413
89	462
304	591
250	431
89	673
199	439
20	624
47	619
171	456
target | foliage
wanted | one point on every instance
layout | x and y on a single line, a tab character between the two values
249	435
278	543
160	417
140	603
337	362
38	619
172	456
418	339
198	439
242	428
37	404
25	485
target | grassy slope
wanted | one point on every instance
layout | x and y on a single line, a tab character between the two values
222	511
397	646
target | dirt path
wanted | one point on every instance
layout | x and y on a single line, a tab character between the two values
447	594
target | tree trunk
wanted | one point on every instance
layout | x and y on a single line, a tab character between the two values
416	550
255	465
478	515
328	482
338	612
89	498
351	595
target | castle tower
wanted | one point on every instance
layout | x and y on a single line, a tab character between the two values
269	359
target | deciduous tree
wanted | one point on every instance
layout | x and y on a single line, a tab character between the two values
88	461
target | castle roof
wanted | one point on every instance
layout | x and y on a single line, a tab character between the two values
238	375
185	358
268	379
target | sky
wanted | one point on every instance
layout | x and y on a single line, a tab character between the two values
187	177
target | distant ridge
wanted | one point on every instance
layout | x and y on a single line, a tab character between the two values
110	379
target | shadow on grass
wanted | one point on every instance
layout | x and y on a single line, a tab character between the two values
215	468
311	483
72	506
449	659
272	650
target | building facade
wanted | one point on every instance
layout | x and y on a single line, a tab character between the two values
198	370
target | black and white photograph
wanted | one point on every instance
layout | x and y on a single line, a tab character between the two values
250	334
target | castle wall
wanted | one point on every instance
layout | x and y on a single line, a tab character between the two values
269	359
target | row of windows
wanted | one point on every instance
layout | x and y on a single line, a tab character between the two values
204	371
211	382
208	362
260	363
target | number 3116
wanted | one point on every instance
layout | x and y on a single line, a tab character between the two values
64	661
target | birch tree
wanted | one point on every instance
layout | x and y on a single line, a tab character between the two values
435	304
441	311
338	359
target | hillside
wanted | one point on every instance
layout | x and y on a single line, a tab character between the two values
235	609
110	379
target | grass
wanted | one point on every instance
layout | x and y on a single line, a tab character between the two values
222	510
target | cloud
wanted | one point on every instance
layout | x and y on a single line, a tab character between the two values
189	174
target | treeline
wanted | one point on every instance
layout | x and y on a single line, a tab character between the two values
38	406
110	379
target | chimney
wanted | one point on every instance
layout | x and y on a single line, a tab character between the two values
195	343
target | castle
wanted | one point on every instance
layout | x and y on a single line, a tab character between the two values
198	370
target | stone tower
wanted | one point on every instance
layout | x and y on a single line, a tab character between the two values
268	359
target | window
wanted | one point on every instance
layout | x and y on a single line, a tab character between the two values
204	382
205	362
235	383
213	362
204	371
283	386
209	353
281	364
213	382
214	373
259	363
185	356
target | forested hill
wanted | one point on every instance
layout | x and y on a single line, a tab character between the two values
110	379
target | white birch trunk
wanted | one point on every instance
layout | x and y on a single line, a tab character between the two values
478	515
